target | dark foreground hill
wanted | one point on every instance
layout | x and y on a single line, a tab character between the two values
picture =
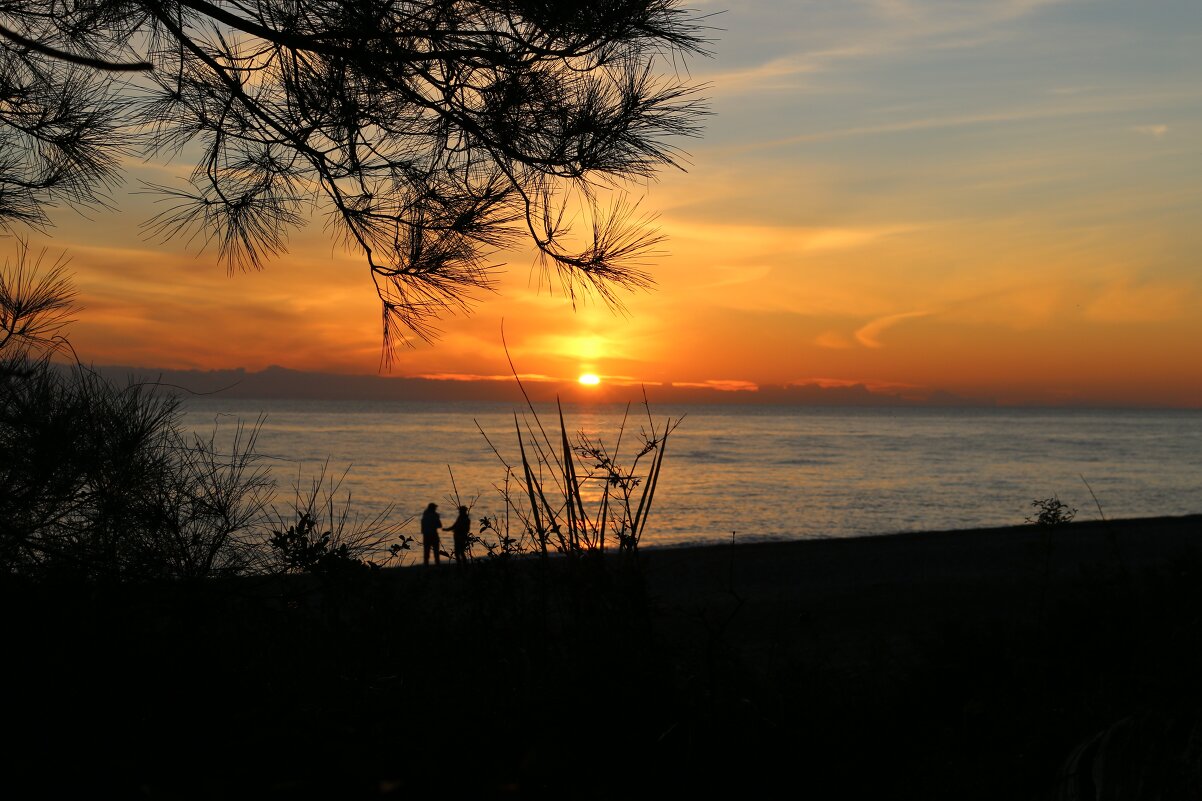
1008	663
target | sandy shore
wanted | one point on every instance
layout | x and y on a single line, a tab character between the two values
960	664
799	572
862	602
872	575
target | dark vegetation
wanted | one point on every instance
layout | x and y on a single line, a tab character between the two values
659	674
1051	512
102	483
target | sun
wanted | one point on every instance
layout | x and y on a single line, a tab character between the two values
589	379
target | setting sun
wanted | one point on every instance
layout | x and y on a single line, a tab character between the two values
589	379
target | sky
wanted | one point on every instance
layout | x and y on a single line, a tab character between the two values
999	199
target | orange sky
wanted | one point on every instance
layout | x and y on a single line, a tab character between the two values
998	200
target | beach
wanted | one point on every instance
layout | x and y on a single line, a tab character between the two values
961	664
957	663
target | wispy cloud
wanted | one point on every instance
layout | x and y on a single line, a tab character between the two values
1149	302
720	384
833	340
472	377
904	25
871	29
1154	131
852	237
870	384
1085	107
784	72
774	239
870	334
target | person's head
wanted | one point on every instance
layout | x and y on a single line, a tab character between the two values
431	507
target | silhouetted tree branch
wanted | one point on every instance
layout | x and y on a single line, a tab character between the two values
435	132
35	303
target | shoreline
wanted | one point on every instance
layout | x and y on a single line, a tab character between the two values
992	553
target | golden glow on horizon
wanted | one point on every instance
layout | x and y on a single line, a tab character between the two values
589	379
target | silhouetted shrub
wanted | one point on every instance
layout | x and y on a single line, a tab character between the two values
1051	512
103	482
573	495
320	533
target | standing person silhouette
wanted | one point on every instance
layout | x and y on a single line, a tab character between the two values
431	525
460	529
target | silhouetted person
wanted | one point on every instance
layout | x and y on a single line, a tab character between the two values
459	529
431	525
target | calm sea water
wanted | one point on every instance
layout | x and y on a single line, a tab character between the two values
765	473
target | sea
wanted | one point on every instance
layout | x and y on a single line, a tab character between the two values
734	472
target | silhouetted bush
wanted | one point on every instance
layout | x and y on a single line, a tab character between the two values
1051	512
104	482
101	481
573	495
318	533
